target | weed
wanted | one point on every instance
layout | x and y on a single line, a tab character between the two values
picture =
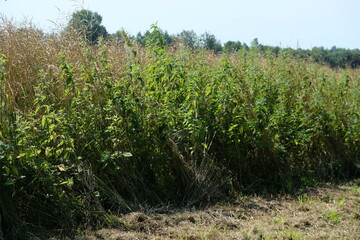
341	202
280	220
332	215
355	190
289	234
303	198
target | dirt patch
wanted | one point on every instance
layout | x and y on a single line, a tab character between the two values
329	212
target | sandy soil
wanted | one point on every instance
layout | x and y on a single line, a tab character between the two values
328	212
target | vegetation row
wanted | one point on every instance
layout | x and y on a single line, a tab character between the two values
88	130
89	23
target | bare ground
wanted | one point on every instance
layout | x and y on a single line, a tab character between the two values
327	212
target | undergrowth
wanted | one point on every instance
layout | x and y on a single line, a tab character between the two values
87	130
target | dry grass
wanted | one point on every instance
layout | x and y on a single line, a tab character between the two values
328	212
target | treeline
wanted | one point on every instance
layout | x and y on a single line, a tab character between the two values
89	23
334	57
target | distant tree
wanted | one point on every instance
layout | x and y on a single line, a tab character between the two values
255	44
122	36
141	38
118	35
168	39
190	38
231	46
88	24
275	50
210	42
245	46
319	54
340	57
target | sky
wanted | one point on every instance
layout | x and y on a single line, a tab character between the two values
285	23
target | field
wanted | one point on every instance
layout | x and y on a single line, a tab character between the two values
326	212
89	131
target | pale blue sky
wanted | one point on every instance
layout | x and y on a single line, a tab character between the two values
304	23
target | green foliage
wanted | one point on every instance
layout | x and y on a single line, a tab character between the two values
334	57
116	126
190	38
332	215
210	42
231	46
88	24
142	38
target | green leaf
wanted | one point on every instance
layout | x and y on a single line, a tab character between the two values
43	121
127	154
52	127
59	152
9	181
15	171
232	127
7	170
23	154
48	151
69	182
68	80
38	162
